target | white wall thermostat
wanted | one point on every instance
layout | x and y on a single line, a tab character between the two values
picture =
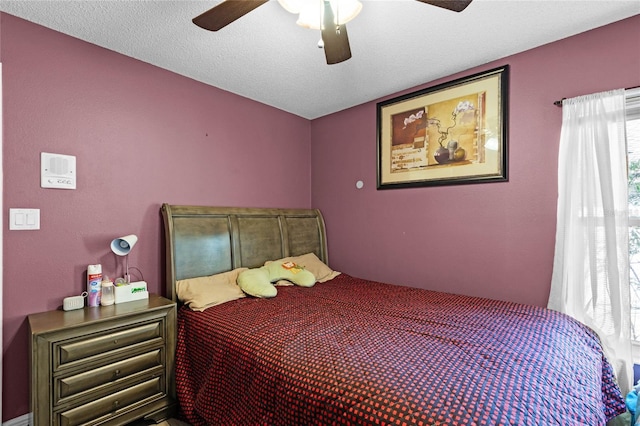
57	171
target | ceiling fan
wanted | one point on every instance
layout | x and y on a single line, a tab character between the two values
334	31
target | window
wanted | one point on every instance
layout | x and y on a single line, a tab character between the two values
633	161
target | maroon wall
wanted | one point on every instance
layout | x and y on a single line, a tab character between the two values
142	136
494	240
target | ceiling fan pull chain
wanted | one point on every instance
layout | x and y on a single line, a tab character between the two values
337	20
321	41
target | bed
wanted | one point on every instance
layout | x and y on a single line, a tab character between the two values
352	351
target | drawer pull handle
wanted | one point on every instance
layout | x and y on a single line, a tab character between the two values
117	373
115	404
115	342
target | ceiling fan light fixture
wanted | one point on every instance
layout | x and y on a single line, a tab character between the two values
291	6
329	16
310	12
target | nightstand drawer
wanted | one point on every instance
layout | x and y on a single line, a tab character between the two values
118	371
113	404
68	352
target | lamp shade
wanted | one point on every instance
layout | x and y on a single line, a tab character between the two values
291	6
311	12
123	245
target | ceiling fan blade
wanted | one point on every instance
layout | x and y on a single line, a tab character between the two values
455	5
335	39
225	13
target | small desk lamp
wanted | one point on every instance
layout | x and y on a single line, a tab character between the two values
122	246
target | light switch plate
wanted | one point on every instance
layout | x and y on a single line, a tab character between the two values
24	219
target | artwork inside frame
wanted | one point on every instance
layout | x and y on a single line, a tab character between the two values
452	133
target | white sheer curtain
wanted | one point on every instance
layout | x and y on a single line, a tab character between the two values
590	279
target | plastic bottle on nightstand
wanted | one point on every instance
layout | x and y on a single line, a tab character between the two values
94	287
108	295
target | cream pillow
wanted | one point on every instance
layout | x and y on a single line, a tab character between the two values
203	292
311	263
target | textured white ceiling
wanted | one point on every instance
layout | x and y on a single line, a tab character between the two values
265	56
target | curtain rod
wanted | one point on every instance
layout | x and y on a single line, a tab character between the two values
559	103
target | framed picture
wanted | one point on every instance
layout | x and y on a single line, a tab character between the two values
452	133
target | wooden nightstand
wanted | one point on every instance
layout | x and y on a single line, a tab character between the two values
106	365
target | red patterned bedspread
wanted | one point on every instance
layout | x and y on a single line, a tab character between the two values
350	351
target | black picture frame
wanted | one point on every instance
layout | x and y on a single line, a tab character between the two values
449	134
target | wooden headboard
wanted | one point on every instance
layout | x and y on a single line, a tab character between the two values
201	241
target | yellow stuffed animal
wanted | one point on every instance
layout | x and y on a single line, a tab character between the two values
258	282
